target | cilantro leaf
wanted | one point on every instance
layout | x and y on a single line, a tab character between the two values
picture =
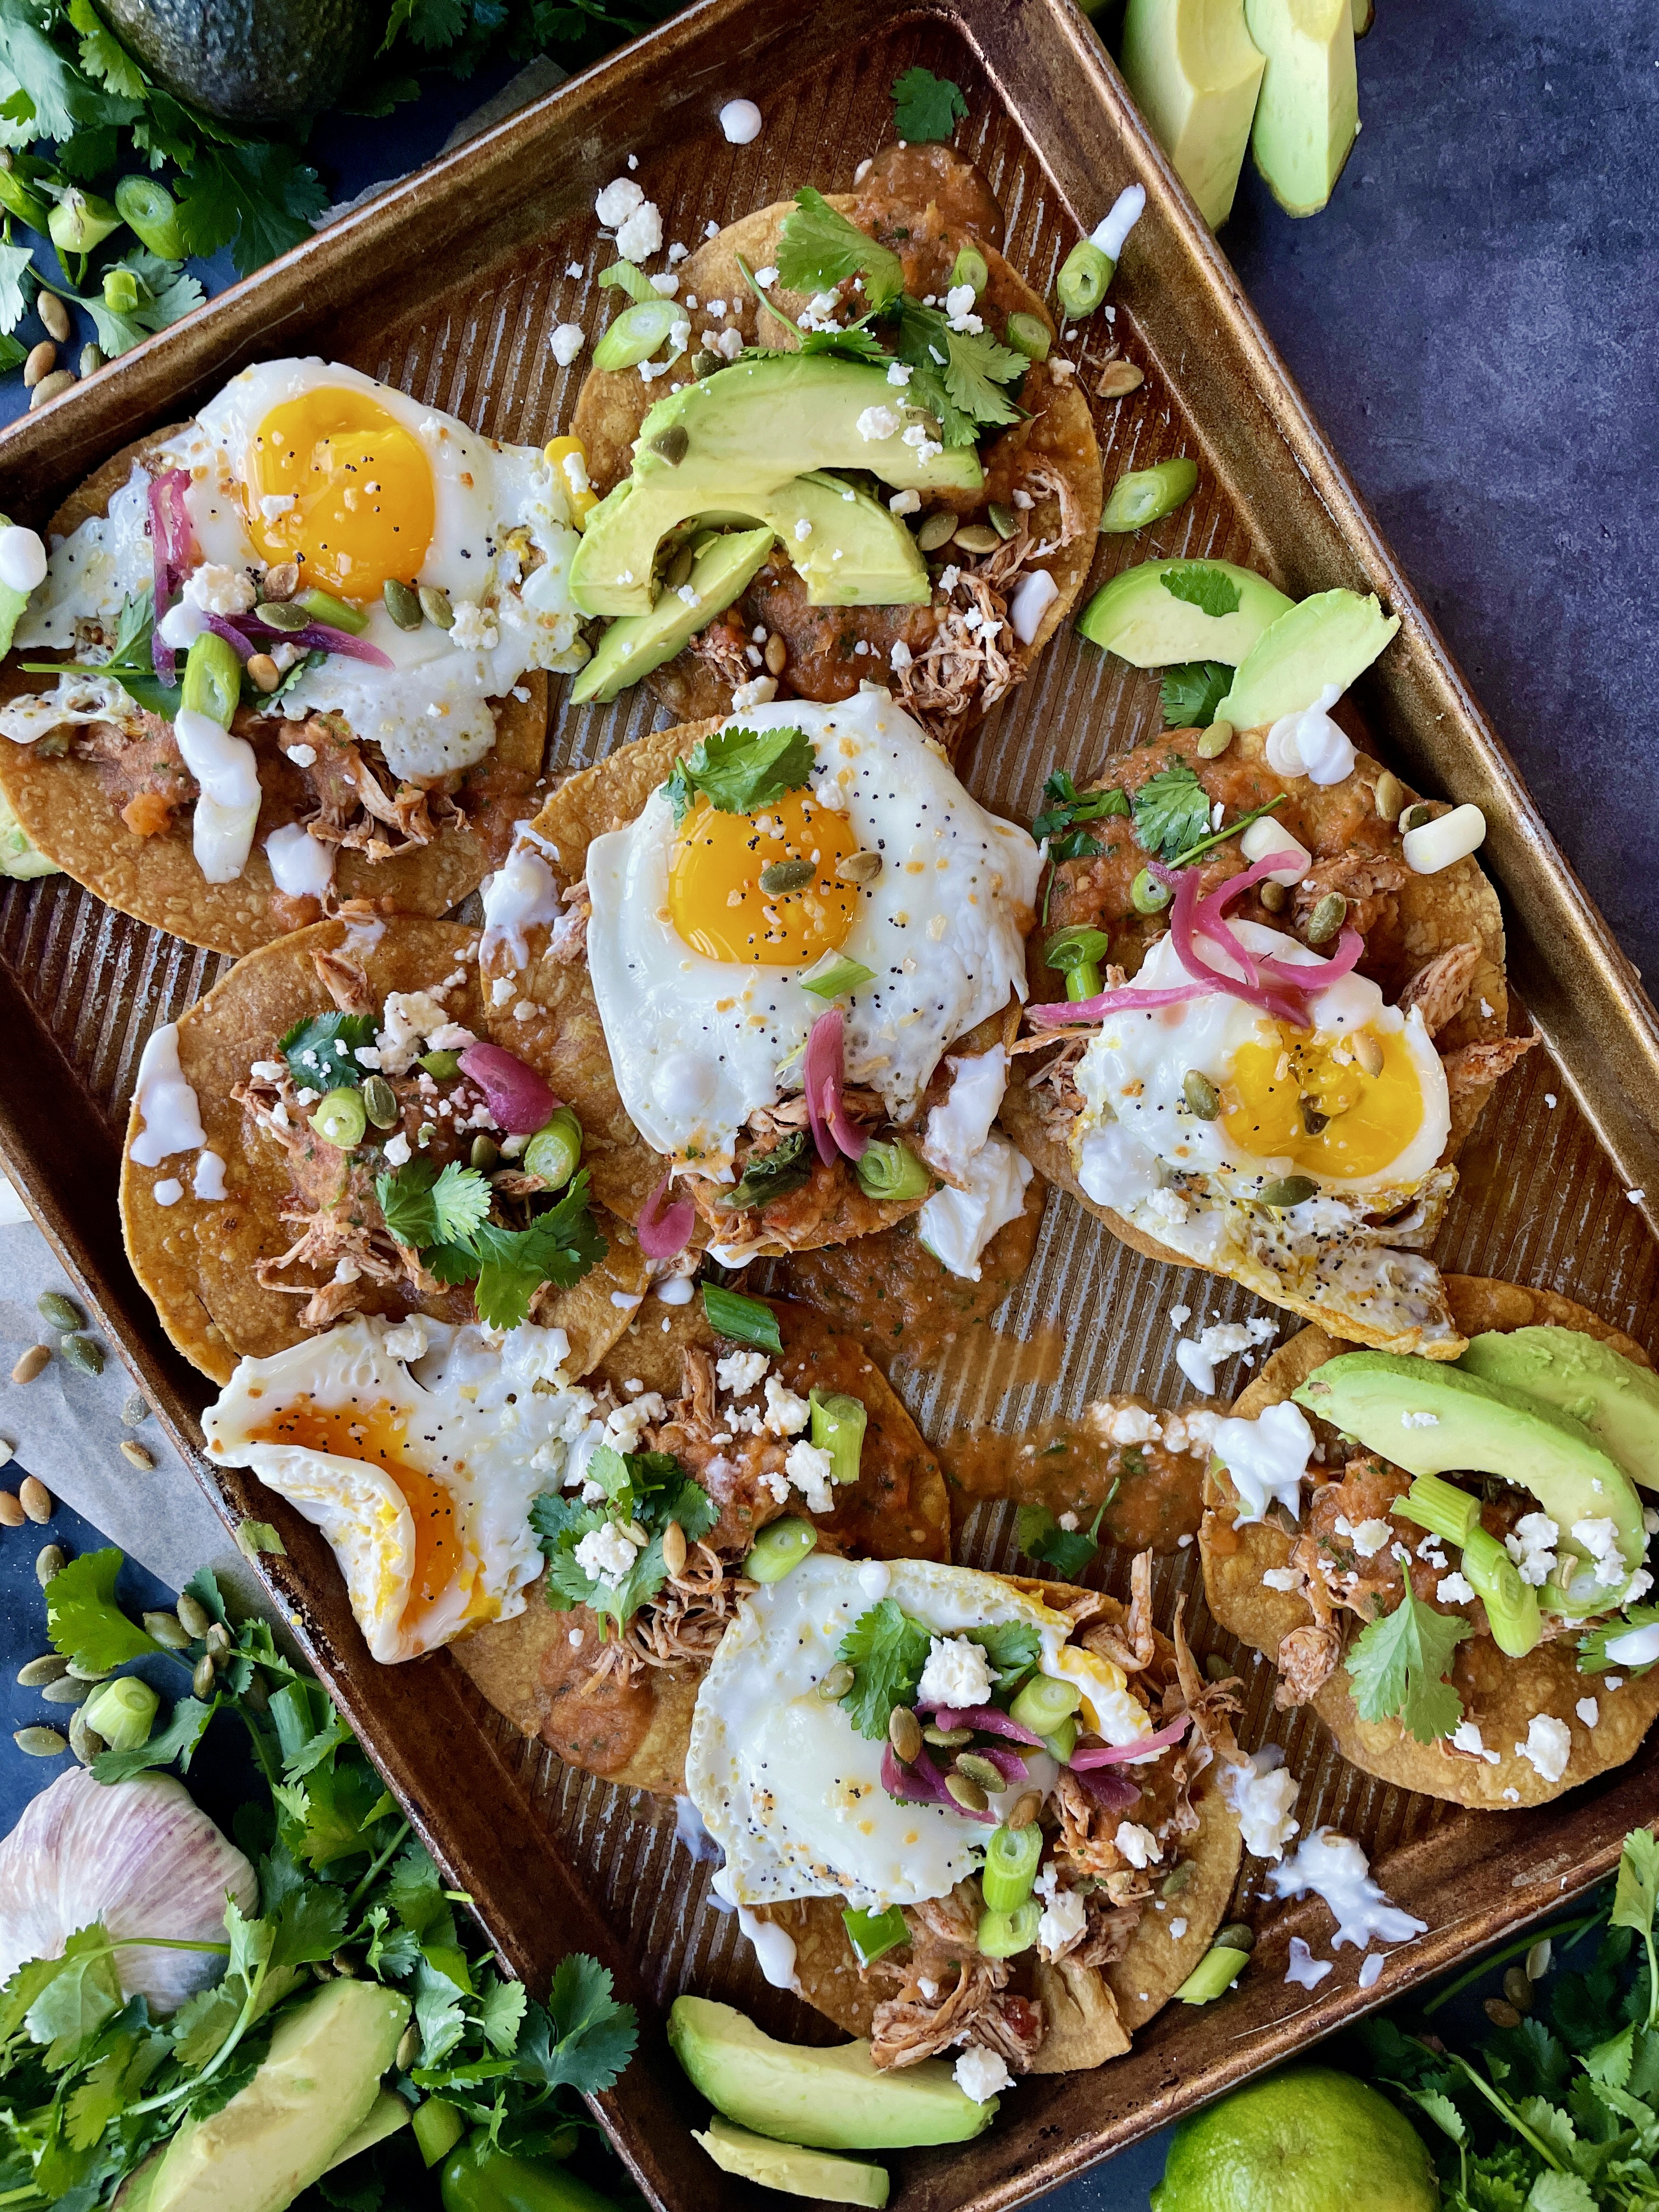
819	249
584	2038
103	57
166	292
767	1176
259	198
1068	1551
177	1740
559	1247
737	770
62	99
460	1201
745	1321
887	1651
423	1207
977	365
84	1620
321	1051
129	661
954	375
650	1488
1593	1646
1397	1668
1211	589
1171	810
84	1993
927	108
1064	807
16	263
1192	691
438	2012
1013	1648
501	2013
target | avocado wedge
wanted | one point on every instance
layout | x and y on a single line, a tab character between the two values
1578	1375
1138	618
1331	638
834	2100
635	646
791	2168
1432	1418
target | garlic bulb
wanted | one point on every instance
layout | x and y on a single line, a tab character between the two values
138	1856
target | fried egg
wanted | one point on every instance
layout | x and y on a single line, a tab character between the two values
1290	1103
787	1785
310	462
697	970
416	1449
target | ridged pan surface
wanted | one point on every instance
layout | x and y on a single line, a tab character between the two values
450	289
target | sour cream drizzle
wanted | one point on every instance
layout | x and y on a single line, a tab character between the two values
167	1105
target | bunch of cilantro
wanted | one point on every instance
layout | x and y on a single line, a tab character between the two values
90	2083
1558	2113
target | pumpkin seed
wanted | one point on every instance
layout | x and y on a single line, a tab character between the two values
381	1103
136	1410
201	1680
283	580
12	1515
1501	2013
1538	1958
1326	918
1215	1667
1390	796
32	1362
50	1667
168	1631
51	387
409	2049
218	1640
979	1769
1237	1936
775	653
859	868
434	605
282	614
936	529
1004	520
66	1690
402	604
1518	1989
136	1455
36	1499
705	364
486	1155
1287	1191
786	876
1415	817
92	358
51	1559
193	1615
904	1733
673	1548
40	1743
1274	896
966	1792
671	445
1201	1095
41	362
1119	377
1024	1809
1313	1120
90	1674
1368	1051
679	568
84	1352
837	1683
947	1739
1215	741
61	1312
1178	1878
55	315
978	537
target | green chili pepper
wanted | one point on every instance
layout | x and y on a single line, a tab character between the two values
477	2178
1085	275
555	1152
1144	496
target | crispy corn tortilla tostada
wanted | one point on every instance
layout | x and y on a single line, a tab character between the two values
71	808
934	200
635	1732
1501	1695
200	1260
1437	937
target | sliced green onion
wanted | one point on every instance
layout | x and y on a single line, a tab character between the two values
628	276
150	212
1029	334
1075	954
1452	1515
834	976
838	1426
745	1321
1147	895
779	1548
971	268
872	1935
892	1171
1144	496
1011	1865
121	290
1061	1741
636	333
341	1119
441	1066
554	1153
1214	1974
1084	277
324	607
438	2126
123	1713
1044	1704
213	679
1005	1934
81	221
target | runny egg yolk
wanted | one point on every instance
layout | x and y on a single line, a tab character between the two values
731	893
363	505
1294	1099
376	1436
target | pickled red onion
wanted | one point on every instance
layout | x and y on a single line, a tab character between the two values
833	1131
520	1102
1113	1754
664	1231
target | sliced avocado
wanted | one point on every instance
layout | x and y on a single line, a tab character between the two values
1329	639
792	2168
387	2115
1308	114
1194	74
738	434
635	646
1432	1418
856	552
312	2091
1617	1401
1137	618
18	857
834	2100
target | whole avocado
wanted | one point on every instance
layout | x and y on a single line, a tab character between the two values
249	61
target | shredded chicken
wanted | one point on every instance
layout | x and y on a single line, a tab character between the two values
1307	1659
976	2007
972	660
1107	1929
344	981
1476	1067
1087	1838
1439	987
1041	481
723	653
682	1623
1368	881
1132	1648
1053	1087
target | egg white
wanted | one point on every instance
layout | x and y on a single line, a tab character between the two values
783	1781
698	1044
490	1419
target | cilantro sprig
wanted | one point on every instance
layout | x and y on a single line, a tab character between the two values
1171	811
818	249
1065	809
1397	1667
1191	690
444	1217
129	662
737	770
887	1650
321	1051
647	1489
91	2084
957	376
1198	584
927	109
1068	1551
